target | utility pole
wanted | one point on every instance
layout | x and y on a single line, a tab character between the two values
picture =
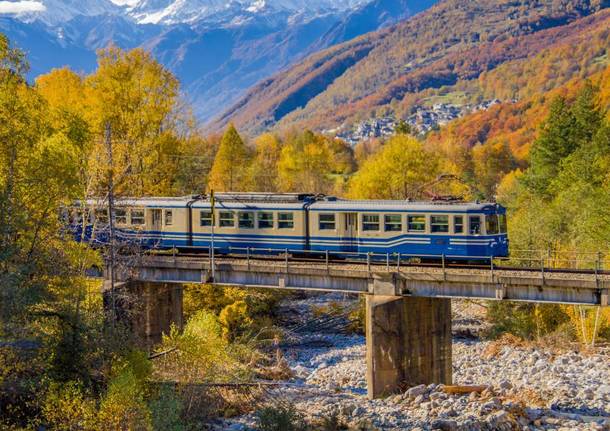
110	179
213	204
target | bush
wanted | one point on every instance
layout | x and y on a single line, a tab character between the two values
166	411
66	407
235	320
585	321
332	423
124	407
524	320
280	418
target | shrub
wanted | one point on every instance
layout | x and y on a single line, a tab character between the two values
586	321
280	418
235	320
66	407
124	407
524	320
332	422
166	411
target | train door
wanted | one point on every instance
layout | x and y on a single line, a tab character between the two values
350	236
157	218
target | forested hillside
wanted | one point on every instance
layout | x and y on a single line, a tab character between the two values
441	52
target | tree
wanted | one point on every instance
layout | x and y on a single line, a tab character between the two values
492	161
397	171
402	128
556	141
264	169
139	100
305	164
230	169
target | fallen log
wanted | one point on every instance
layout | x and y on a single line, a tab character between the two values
464	389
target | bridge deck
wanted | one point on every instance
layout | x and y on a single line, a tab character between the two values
519	285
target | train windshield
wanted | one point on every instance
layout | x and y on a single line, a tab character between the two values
502	222
491	224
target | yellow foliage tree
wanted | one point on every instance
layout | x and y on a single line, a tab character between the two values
589	323
230	169
139	99
235	320
263	175
397	171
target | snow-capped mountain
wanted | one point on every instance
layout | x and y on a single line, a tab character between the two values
168	12
55	12
217	48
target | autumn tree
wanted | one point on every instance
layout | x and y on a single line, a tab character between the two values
305	165
492	161
264	169
230	169
139	100
402	128
397	171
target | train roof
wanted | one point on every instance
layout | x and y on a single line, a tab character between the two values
297	200
402	205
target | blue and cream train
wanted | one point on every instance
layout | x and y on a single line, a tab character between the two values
274	223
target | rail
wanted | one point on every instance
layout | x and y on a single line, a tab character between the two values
540	262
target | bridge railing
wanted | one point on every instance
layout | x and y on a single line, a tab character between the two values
534	261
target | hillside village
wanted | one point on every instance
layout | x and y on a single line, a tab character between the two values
423	120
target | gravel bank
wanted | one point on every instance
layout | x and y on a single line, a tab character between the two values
528	388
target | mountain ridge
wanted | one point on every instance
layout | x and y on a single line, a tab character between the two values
217	58
406	59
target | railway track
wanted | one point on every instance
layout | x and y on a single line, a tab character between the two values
379	262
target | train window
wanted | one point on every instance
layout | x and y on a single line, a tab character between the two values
502	222
120	216
475	225
101	216
205	218
439	223
416	223
370	222
285	220
137	217
458	224
226	219
491	224
169	217
326	221
393	222
246	219
265	220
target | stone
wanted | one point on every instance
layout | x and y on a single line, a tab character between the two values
415	391
438	396
506	385
444	425
419	399
603	390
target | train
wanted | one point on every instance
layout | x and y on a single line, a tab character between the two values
296	223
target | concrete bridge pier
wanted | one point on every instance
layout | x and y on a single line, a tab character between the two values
148	308
408	342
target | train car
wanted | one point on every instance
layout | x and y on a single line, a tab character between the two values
299	223
473	231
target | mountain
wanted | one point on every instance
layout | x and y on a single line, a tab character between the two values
189	11
217	48
392	70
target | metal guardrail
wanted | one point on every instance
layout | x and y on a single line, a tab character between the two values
394	261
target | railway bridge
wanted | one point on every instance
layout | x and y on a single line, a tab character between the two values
408	308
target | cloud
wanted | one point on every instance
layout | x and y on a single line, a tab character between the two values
23	6
130	3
